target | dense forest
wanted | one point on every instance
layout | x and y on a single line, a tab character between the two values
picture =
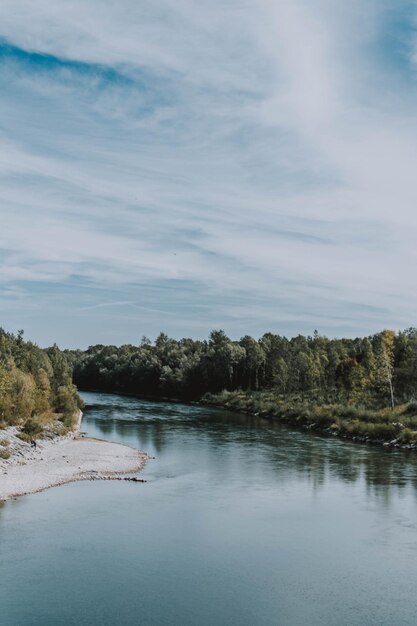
364	388
373	371
35	385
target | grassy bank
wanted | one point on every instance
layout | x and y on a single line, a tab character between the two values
396	427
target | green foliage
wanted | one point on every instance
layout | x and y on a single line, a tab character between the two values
411	408
354	422
370	373
34	383
25	437
69	420
32	428
407	436
349	386
66	400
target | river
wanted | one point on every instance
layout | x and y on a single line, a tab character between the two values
241	522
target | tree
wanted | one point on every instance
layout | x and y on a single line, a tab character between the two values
255	359
385	361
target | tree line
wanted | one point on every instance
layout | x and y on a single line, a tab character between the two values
378	370
35	384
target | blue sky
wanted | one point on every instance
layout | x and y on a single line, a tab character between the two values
181	166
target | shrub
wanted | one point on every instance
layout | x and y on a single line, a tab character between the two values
25	437
66	400
408	436
32	428
411	408
410	422
69	420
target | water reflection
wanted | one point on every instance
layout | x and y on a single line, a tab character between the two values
241	522
253	443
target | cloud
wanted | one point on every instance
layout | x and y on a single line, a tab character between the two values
172	166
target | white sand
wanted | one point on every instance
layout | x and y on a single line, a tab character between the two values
62	460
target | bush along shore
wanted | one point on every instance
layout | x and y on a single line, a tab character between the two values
389	427
37	397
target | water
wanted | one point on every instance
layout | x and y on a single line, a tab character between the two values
241	522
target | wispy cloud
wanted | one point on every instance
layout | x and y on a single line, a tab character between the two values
173	166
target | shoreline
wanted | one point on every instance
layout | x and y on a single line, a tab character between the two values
323	430
289	421
62	460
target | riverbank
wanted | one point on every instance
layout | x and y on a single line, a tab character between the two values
389	428
58	460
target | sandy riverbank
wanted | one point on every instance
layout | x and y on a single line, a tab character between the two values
62	460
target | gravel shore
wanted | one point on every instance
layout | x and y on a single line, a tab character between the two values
62	460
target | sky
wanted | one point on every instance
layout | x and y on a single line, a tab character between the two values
179	166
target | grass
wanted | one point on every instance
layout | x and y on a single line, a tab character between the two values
31	430
5	454
349	420
411	408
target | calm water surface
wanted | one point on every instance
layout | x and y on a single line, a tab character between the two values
241	522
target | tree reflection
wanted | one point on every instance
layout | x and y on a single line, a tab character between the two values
248	445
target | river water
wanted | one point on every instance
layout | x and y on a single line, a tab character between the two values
241	522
